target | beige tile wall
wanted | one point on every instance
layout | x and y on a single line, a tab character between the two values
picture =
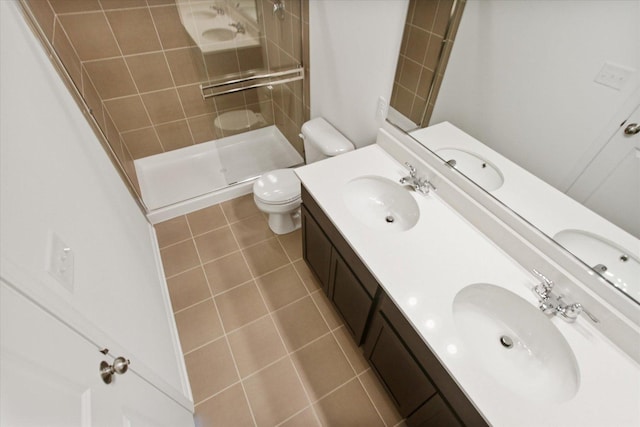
140	71
284	50
424	33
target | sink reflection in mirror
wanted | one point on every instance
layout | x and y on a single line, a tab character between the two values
217	26
618	265
494	83
474	167
515	343
381	203
218	35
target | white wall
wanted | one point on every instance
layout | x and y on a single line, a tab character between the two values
55	177
354	47
520	79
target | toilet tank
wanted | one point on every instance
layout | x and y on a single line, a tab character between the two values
321	140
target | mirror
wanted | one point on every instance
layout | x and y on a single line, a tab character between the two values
546	85
220	26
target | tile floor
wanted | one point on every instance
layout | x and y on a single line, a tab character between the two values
262	344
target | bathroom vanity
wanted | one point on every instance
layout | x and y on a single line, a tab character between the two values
408	369
445	316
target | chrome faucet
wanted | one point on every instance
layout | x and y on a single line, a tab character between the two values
552	304
219	10
421	185
238	26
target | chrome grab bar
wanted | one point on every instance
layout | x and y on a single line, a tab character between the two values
299	71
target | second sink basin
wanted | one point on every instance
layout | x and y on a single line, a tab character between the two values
515	343
218	35
473	167
614	263
381	203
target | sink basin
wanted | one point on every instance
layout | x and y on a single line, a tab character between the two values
204	14
515	343
618	265
218	35
381	203
473	167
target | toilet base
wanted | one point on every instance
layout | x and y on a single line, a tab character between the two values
284	223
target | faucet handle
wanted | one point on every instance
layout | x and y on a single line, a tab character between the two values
572	311
544	287
412	170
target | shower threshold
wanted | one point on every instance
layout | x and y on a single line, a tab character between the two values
191	178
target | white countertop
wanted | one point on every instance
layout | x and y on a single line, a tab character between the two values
423	268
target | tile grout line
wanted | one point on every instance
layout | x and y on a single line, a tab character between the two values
226	338
270	314
332	332
139	95
295	415
194	236
231	331
192	305
286	356
173	81
375	407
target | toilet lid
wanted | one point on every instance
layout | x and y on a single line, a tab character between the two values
278	186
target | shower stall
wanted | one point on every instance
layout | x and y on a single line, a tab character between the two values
193	99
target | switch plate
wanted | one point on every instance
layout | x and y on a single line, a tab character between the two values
614	75
61	262
381	108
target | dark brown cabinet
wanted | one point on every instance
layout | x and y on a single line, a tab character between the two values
419	385
316	249
422	389
394	364
349	296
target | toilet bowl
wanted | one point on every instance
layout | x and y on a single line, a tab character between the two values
277	192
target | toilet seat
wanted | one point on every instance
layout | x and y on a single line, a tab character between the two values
277	187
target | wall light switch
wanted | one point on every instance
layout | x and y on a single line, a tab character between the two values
61	261
613	75
381	108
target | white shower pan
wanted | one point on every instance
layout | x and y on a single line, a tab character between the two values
184	180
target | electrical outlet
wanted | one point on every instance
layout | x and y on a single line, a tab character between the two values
613	75
61	262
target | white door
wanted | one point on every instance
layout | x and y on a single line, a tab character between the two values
610	185
50	377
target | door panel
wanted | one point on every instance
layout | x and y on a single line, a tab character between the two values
610	185
49	373
50	376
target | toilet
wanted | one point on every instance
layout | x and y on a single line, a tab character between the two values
277	192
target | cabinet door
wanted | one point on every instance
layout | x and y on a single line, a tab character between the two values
397	368
316	249
433	413
350	298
